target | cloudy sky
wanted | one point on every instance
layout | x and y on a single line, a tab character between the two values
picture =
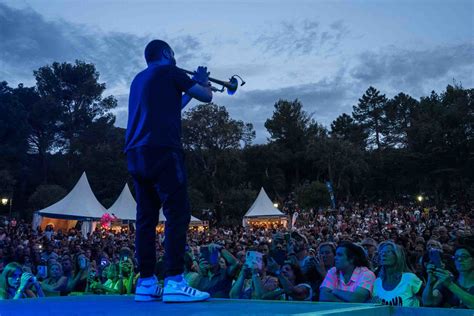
325	53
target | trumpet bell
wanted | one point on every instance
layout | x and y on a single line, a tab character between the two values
232	86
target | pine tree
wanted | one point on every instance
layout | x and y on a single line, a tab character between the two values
399	116
369	113
345	128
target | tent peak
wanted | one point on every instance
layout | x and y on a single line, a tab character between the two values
80	202
263	206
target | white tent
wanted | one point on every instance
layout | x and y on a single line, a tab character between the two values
79	204
263	209
194	220
125	207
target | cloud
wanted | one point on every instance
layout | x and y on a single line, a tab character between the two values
301	38
29	42
419	71
323	100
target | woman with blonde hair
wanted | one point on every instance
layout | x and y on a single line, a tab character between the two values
56	283
395	285
16	284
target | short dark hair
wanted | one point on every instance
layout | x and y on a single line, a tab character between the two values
154	50
299	276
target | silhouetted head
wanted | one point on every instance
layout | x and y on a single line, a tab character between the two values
159	51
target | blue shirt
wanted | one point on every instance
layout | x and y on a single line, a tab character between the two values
154	107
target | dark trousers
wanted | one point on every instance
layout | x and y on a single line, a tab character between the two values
160	180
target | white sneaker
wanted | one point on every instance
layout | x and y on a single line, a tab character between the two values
148	290
181	292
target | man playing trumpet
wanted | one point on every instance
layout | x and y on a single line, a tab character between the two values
155	161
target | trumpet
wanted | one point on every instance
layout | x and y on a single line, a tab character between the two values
230	85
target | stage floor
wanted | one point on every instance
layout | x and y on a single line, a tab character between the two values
115	305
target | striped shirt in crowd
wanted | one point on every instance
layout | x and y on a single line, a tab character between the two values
361	277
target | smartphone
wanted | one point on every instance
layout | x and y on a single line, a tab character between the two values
43	272
204	251
254	258
435	258
211	257
82	262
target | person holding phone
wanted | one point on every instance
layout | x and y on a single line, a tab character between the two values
212	278
253	282
443	289
111	275
81	265
16	284
126	277
93	282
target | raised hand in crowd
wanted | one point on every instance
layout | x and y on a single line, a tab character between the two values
27	282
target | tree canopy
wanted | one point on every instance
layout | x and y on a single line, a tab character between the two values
385	149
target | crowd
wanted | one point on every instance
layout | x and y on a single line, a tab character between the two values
403	255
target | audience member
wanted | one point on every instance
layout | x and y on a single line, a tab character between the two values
350	280
310	261
396	285
291	280
443	289
16	284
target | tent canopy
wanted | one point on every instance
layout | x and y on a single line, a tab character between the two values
125	207
80	203
263	207
194	220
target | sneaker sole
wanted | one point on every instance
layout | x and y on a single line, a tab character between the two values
147	298
181	298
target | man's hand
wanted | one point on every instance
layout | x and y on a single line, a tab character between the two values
444	276
203	266
430	270
246	271
254	269
272	265
320	265
201	76
26	280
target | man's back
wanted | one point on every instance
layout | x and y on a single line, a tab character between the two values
154	111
